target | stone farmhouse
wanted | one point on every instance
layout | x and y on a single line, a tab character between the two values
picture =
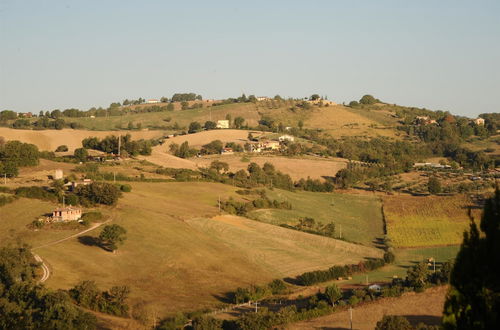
66	214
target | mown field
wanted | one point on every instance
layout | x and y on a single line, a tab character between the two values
296	167
51	139
425	221
177	257
426	307
359	215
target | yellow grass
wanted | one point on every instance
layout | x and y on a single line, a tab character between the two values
296	167
51	139
177	258
426	221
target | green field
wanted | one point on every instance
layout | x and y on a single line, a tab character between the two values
426	221
177	255
358	216
406	258
15	218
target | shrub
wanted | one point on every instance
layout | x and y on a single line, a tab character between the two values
62	148
126	188
389	257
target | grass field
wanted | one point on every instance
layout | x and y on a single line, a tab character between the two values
51	139
16	216
426	307
168	118
177	258
406	258
424	221
297	167
359	215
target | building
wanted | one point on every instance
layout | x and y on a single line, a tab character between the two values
223	123
227	151
262	98
272	145
286	137
479	121
58	174
83	182
66	214
153	101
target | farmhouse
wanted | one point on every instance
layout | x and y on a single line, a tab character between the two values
479	121
424	120
153	101
66	214
286	137
83	182
223	123
262	98
273	145
227	151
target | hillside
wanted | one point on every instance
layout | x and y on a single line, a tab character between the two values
173	241
51	139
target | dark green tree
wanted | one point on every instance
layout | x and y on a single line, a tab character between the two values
81	154
368	99
111	236
333	294
473	301
434	186
393	322
194	127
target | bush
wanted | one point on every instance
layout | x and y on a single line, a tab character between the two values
389	257
126	188
62	148
35	192
393	322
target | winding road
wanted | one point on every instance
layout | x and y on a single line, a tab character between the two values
45	268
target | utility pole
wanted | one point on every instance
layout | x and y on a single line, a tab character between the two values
340	231
64	202
256	306
119	144
219	203
366	279
114	177
350	316
5	178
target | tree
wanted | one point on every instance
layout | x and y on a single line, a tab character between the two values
300	124
333	294
368	99
238	122
434	186
210	125
218	166
98	193
62	148
393	322
111	236
314	97
206	323
130	125
417	276
194	127
214	147
81	154
473	301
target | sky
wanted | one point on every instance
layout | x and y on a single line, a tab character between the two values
441	55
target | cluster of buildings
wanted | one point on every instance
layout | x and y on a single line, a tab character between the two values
426	120
430	165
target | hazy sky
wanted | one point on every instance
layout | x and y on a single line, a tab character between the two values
435	54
